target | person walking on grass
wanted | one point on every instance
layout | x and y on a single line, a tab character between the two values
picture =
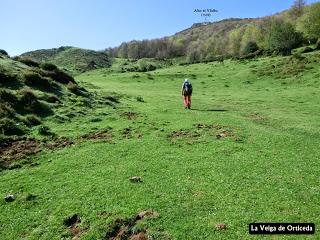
186	92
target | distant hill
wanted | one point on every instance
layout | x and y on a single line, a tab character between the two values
71	59
232	38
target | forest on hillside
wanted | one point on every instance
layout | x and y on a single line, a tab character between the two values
276	34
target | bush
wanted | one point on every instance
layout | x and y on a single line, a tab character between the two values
32	120
298	56
29	104
6	78
307	50
150	67
48	66
251	47
10	127
6	111
309	23
60	76
27	61
36	80
283	37
44	130
27	97
8	97
139	99
41	109
51	99
218	58
318	44
3	52
72	87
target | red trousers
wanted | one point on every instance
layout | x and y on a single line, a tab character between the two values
187	101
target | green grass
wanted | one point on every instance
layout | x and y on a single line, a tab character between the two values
266	170
74	60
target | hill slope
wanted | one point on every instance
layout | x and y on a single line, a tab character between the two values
247	152
74	60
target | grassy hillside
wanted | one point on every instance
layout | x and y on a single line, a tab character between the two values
74	60
276	34
246	152
30	95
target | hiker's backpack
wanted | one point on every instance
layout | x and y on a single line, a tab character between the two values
187	88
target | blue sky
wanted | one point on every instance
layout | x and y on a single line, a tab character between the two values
97	24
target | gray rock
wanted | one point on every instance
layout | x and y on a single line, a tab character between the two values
10	198
135	179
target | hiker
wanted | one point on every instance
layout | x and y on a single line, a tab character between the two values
186	92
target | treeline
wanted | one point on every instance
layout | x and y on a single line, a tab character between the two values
278	34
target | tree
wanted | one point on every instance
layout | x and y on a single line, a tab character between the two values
193	53
252	33
133	50
318	44
297	8
309	23
282	37
123	50
235	38
251	47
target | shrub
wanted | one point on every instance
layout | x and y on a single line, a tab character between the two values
10	127
60	76
6	111
283	37
32	120
41	109
51	99
44	130
298	56
6	78
219	58
27	97
29	62
309	23
145	66
3	52
48	66
307	50
139	99
318	44
8	97
72	87
251	47
36	80
29	104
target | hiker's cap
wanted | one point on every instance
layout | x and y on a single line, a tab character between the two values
186	80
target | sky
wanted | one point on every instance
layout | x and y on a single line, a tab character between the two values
27	25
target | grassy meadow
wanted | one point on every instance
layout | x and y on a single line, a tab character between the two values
247	151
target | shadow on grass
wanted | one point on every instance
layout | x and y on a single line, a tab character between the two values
209	110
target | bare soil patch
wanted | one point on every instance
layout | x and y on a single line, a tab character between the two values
12	151
99	135
72	223
124	228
